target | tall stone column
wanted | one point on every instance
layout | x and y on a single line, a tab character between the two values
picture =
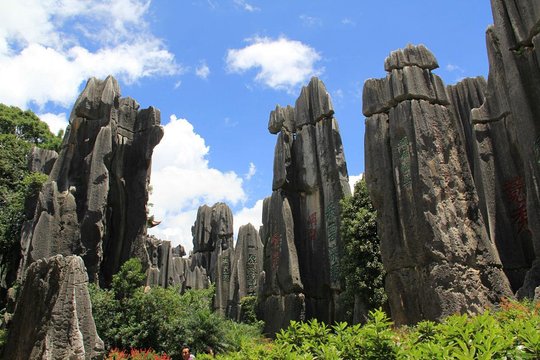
310	176
507	131
434	244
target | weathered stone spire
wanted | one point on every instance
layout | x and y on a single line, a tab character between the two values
434	244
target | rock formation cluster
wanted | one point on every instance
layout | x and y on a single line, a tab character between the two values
94	202
301	219
89	218
435	245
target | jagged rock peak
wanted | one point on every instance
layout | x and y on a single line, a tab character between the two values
282	117
313	104
412	55
97	97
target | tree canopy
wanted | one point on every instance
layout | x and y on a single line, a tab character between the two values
361	264
19	132
25	125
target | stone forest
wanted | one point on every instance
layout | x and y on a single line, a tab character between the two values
453	172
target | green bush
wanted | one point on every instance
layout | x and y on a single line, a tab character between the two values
248	305
510	332
131	316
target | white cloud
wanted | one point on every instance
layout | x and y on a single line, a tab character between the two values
230	123
310	20
353	179
245	216
202	71
282	64
452	68
252	170
348	22
246	6
338	94
43	59
56	122
182	180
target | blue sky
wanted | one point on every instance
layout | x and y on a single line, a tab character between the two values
216	69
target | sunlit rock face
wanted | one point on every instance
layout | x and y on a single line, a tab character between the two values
213	249
246	267
94	203
434	243
53	316
301	219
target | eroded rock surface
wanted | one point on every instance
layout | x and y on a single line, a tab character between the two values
434	243
508	140
94	203
310	177
246	268
53	316
213	249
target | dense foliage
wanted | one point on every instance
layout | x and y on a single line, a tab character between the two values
19	131
511	332
361	264
130	316
26	126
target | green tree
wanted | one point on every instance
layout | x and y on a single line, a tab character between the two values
26	126
19	132
361	264
131	316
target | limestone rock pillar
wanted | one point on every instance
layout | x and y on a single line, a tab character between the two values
434	244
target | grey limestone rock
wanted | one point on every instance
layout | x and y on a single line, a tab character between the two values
434	244
247	265
411	55
465	96
408	83
53	316
281	279
168	268
508	140
94	203
41	160
310	176
281	118
213	249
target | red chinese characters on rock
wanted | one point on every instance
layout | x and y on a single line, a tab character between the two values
514	190
312	227
275	243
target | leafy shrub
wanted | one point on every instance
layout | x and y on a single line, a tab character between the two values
510	332
247	309
361	264
129	316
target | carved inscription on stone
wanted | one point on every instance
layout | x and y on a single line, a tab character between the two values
275	243
404	161
312	227
226	269
515	193
331	234
251	274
